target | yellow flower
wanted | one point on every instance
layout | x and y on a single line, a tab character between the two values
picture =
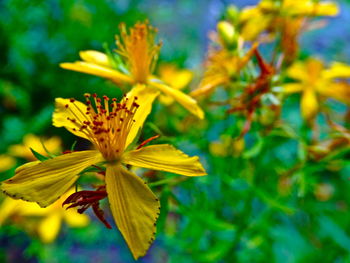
222	65
287	17
51	218
256	19
110	127
52	145
315	82
175	78
139	53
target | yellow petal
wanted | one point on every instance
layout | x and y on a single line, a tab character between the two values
49	227
8	207
53	145
248	13
97	70
292	88
337	90
165	157
134	207
298	71
309	8
145	97
208	84
309	104
337	70
255	25
64	110
44	182
95	57
314	68
174	77
6	162
186	101
181	79
165	99
74	219
325	9
32	209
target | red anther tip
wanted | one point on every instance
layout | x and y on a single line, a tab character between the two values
71	100
87	95
105	98
66	106
94	95
114	99
136	97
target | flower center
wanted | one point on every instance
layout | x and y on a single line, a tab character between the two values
105	124
139	50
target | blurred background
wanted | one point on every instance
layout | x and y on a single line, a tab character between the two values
219	218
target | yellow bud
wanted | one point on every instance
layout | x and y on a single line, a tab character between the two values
226	32
323	191
217	148
238	147
284	186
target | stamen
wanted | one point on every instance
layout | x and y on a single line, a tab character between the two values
139	49
107	126
85	199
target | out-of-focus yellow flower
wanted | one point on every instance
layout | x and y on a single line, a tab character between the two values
175	78
256	19
221	66
52	145
110	127
287	17
139	53
315	82
50	218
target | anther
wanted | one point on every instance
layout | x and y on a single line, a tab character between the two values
72	100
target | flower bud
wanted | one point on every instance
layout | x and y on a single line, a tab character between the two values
226	32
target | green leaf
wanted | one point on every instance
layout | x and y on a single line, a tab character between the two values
39	156
73	146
